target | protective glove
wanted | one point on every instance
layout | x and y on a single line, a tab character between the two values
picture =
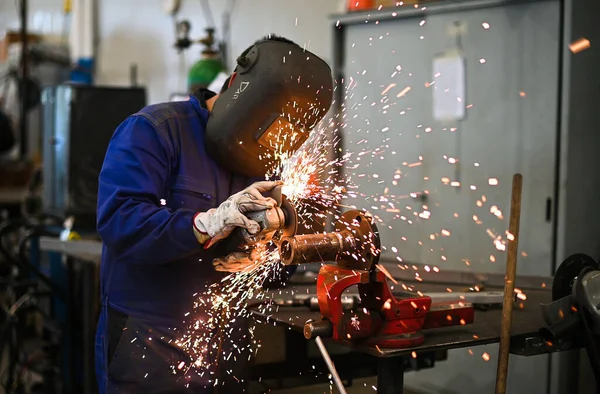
236	262
218	223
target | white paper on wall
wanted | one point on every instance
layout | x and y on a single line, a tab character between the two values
449	88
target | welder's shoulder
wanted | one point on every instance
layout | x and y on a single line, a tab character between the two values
159	114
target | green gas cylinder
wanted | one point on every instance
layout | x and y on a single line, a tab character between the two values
205	70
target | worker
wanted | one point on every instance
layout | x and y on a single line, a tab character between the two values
170	195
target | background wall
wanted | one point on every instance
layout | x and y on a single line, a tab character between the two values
138	31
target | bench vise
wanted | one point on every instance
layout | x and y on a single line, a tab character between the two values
379	319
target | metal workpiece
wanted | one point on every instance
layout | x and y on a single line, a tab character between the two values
354	244
367	246
314	248
480	300
320	328
84	250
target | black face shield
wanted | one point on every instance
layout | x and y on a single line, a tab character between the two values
279	94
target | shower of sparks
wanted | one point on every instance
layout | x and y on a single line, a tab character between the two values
223	310
311	177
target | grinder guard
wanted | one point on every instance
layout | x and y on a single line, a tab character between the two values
280	93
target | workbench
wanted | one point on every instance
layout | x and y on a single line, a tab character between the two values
79	311
391	363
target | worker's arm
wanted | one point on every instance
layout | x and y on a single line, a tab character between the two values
216	224
131	220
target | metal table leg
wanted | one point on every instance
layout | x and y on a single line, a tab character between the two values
88	313
390	376
71	325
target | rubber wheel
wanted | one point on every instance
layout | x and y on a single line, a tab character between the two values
566	273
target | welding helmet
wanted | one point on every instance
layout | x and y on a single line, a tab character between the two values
279	93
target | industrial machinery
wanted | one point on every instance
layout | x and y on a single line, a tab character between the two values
379	318
575	308
79	122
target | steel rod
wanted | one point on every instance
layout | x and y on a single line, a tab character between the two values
330	365
509	286
23	128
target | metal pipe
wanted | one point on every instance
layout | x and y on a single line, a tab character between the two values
318	329
509	287
330	365
313	248
23	143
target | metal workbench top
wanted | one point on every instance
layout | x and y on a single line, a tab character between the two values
527	320
486	327
83	250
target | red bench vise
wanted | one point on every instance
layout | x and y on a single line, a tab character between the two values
380	319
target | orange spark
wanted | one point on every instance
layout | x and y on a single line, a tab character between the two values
390	86
579	45
404	91
386	273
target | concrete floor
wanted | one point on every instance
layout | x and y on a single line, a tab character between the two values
360	386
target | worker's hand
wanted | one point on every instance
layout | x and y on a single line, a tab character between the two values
218	223
236	262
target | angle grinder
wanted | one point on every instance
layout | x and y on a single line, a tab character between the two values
275	223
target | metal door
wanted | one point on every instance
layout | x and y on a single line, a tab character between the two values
510	126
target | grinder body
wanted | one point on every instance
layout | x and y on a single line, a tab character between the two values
275	223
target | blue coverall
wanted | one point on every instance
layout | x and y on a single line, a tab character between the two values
156	176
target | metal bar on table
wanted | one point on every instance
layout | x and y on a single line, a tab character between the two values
82	249
464	278
511	272
351	299
330	365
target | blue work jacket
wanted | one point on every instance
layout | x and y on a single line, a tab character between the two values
156	176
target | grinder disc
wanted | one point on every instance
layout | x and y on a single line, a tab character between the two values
291	217
566	273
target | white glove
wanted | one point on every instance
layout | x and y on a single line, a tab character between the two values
218	223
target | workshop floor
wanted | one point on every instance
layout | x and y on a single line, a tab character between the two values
360	386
